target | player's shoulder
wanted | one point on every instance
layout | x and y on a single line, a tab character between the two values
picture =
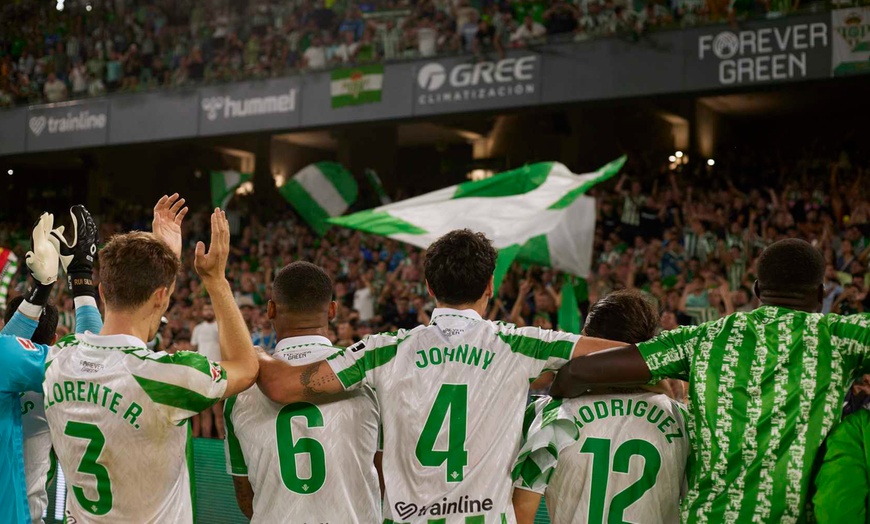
385	339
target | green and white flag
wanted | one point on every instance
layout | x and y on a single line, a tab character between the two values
320	191
224	185
537	214
851	40
359	85
377	186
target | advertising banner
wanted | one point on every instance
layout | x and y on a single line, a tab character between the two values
161	115
851	49
83	123
468	84
13	123
785	50
249	106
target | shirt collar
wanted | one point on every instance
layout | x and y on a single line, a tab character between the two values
470	314
292	342
111	341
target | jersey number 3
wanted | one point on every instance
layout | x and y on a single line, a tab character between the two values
90	466
452	398
601	466
288	450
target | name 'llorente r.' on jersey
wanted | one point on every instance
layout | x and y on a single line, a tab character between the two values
306	462
451	397
765	389
116	412
617	457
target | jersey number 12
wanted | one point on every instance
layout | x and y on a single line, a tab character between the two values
452	399
602	467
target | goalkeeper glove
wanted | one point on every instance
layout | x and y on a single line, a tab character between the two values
42	261
78	255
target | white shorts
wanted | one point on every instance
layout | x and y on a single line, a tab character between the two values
37	462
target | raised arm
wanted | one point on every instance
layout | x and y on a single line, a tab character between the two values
77	257
42	262
238	357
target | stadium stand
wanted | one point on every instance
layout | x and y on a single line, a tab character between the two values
90	48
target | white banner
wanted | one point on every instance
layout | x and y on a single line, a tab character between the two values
851	49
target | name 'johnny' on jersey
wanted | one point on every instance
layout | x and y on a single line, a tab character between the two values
306	462
117	416
451	396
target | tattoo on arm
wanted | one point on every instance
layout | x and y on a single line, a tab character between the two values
313	386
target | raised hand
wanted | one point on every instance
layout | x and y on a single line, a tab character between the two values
77	256
213	265
168	215
43	258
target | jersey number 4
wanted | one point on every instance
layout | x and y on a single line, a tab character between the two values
288	450
452	399
601	469
90	466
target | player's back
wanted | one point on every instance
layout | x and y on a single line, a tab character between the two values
451	396
766	388
116	412
305	459
616	457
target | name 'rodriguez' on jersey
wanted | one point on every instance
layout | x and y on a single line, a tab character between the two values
451	397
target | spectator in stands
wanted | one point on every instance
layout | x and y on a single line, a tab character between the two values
205	341
315	56
54	90
78	79
345	52
530	32
486	39
561	18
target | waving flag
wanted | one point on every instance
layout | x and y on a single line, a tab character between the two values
320	191
537	214
8	268
224	185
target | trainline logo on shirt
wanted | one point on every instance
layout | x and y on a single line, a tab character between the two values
462	505
228	107
83	121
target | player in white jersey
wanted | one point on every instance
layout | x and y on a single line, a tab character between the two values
315	460
116	411
451	394
612	456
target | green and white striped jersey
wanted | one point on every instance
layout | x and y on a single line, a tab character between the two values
116	413
451	397
617	457
765	389
303	459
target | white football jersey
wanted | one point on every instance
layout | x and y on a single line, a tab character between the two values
304	459
451	397
116	412
618	457
37	448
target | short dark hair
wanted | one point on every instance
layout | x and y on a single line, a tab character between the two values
47	326
459	266
133	266
302	287
790	267
622	315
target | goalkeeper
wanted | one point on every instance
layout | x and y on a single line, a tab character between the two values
22	361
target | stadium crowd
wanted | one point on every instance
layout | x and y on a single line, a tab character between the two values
92	47
689	245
